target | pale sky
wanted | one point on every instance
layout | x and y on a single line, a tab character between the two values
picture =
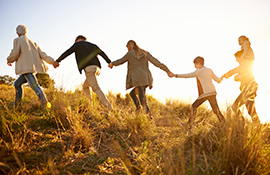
173	31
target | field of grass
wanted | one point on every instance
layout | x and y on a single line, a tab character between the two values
75	137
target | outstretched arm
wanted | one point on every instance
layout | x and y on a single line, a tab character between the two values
101	53
230	73
216	78
189	75
44	56
66	53
120	61
157	63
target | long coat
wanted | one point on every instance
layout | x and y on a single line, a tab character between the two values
28	56
138	73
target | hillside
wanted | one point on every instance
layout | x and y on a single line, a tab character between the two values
74	137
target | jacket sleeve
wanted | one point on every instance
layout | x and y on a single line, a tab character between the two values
44	56
101	53
157	63
67	53
189	75
15	52
121	60
216	78
232	72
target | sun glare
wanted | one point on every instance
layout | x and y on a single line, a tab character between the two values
262	101
49	105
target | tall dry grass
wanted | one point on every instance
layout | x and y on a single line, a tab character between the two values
76	137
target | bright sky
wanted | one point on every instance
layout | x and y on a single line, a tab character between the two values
174	31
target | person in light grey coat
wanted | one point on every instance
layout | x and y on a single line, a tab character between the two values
139	75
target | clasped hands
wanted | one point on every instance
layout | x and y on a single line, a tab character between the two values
56	64
110	65
170	74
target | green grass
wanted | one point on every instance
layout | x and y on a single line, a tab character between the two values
74	137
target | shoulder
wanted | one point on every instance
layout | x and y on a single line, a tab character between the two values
209	69
91	45
19	39
131	53
88	43
205	70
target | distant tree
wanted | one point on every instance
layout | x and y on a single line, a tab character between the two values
45	80
7	80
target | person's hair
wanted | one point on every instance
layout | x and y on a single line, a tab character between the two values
21	29
245	38
137	49
81	37
199	59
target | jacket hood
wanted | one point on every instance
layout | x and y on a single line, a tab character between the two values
141	55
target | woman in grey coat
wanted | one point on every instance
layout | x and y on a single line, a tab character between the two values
138	73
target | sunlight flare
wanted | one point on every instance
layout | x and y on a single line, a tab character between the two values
49	105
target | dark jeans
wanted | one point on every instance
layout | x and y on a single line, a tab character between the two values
213	102
139	98
31	79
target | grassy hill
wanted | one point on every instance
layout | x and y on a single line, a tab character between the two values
74	137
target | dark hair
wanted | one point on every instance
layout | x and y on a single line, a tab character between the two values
199	60
81	37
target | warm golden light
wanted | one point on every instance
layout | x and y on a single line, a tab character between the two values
262	101
49	105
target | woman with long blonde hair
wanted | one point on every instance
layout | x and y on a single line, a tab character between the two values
139	76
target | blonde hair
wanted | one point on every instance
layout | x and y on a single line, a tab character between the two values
245	38
137	49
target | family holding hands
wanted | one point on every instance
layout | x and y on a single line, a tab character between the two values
29	60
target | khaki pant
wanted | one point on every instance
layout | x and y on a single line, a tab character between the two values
91	83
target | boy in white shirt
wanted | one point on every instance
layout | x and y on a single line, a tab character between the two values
206	88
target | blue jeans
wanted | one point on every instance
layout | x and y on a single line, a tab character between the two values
31	79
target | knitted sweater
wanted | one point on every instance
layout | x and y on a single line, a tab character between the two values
204	78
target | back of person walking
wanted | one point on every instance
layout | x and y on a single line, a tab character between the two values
87	60
206	88
245	75
139	75
29	59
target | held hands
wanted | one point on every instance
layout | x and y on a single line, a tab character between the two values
110	65
56	64
222	77
170	74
